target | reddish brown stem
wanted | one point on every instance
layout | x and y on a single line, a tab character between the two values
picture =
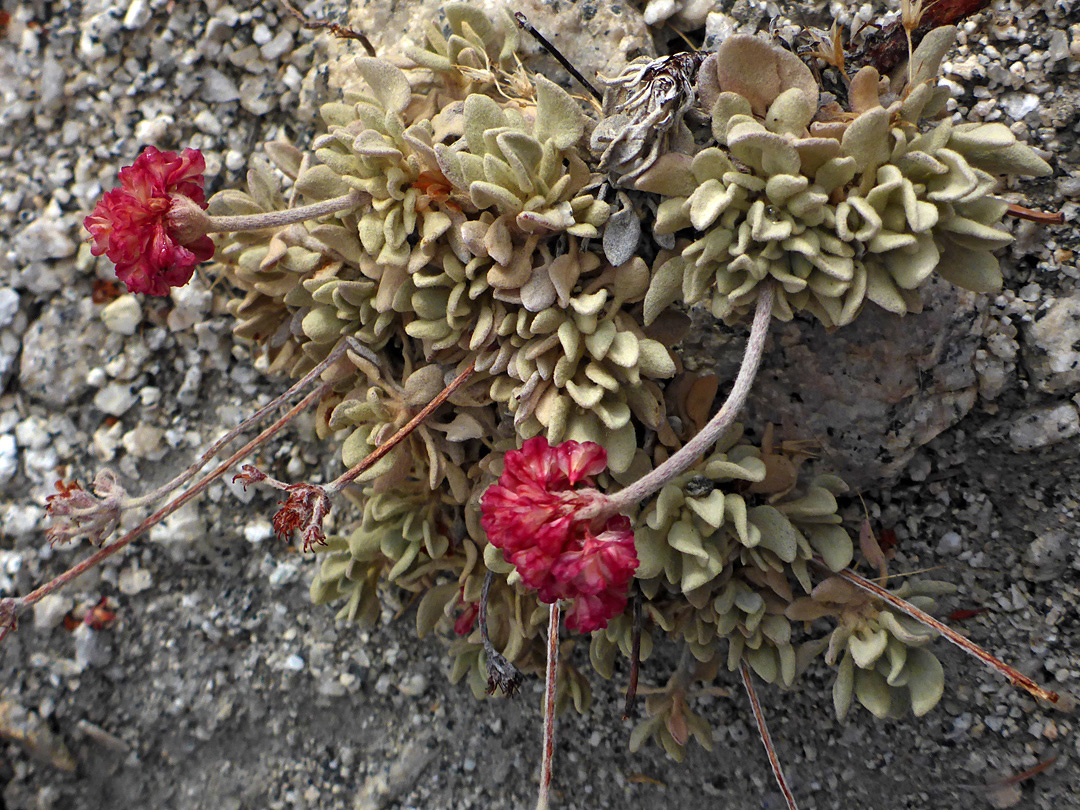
766	738
384	448
550	682
1031	215
965	644
339	31
1030	772
10	609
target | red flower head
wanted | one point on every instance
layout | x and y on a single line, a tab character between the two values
140	225
534	514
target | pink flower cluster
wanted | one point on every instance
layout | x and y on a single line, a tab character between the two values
133	227
534	515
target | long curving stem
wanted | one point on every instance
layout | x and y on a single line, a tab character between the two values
626	499
144	500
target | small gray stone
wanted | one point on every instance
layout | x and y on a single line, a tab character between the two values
258	532
9	353
254	96
122	315
114	399
294	663
52	84
134	580
32	433
9	459
144	441
188	393
262	34
277	47
413	760
138	15
21	519
413	685
153	130
217	87
1069	186
284	573
92	649
50	611
1042	427
193	302
1049	555
950	543
9	305
207	122
1017	105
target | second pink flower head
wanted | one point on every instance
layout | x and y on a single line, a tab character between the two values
534	514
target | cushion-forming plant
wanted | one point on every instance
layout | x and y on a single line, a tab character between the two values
498	206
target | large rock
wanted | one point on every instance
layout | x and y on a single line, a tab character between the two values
872	393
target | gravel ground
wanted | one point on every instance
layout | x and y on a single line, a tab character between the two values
217	685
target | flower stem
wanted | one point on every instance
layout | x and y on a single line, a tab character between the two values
346	478
965	644
11	608
548	752
766	738
277	219
626	499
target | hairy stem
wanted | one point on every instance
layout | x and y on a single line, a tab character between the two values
278	219
631	496
965	644
339	483
548	751
766	738
10	609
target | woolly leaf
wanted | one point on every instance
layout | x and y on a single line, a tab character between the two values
559	119
926	681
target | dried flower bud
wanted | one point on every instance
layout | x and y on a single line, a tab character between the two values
304	509
77	513
248	475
